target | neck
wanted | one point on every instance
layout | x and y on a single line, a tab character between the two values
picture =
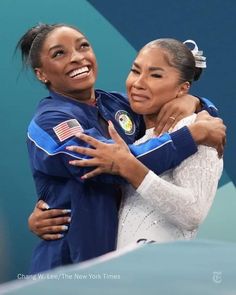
150	120
85	96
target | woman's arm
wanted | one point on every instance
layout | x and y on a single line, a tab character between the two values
113	158
48	154
187	199
177	109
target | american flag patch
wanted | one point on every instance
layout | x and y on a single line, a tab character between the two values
67	129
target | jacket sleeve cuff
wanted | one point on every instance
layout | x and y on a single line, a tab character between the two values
184	143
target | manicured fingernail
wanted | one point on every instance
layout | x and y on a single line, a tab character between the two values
110	123
45	206
69	219
64	227
60	236
65	211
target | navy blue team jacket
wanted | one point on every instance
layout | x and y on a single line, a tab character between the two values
94	203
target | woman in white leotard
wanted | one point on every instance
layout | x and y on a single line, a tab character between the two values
172	206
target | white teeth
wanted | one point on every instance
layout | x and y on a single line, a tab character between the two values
79	71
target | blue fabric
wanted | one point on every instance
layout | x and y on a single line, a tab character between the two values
94	203
208	106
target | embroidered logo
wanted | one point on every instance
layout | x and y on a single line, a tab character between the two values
67	129
125	122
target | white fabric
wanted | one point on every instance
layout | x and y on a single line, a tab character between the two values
172	206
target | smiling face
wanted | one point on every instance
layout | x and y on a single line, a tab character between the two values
152	81
68	64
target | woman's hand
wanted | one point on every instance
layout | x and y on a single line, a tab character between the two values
105	157
114	158
175	110
48	224
210	131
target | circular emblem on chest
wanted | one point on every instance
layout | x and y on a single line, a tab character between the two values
125	122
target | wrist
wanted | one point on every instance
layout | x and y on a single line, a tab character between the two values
198	132
133	171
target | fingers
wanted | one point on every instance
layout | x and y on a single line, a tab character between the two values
92	173
170	124
220	150
41	225
177	117
224	140
52	237
221	146
82	150
167	119
88	139
113	133
161	122
42	205
85	163
53	213
203	115
54	221
53	232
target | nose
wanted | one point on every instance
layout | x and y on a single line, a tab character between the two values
76	56
139	82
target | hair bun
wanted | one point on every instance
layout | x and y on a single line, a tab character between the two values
200	60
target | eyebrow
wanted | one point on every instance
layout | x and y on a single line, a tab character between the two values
60	46
150	68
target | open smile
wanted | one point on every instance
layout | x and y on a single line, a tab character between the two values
80	73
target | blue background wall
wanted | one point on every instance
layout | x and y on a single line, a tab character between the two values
116	29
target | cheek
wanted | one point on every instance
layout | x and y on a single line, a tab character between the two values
128	83
91	56
165	91
54	68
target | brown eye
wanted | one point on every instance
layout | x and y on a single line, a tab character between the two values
156	75
58	53
85	45
134	71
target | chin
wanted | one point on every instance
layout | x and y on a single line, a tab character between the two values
138	109
83	86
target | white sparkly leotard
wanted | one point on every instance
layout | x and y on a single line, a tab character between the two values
172	206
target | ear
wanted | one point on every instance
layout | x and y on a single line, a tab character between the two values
40	75
183	89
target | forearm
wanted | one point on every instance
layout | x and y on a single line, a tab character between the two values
133	170
160	154
186	201
177	204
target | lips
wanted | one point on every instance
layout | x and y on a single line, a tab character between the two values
139	97
79	72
